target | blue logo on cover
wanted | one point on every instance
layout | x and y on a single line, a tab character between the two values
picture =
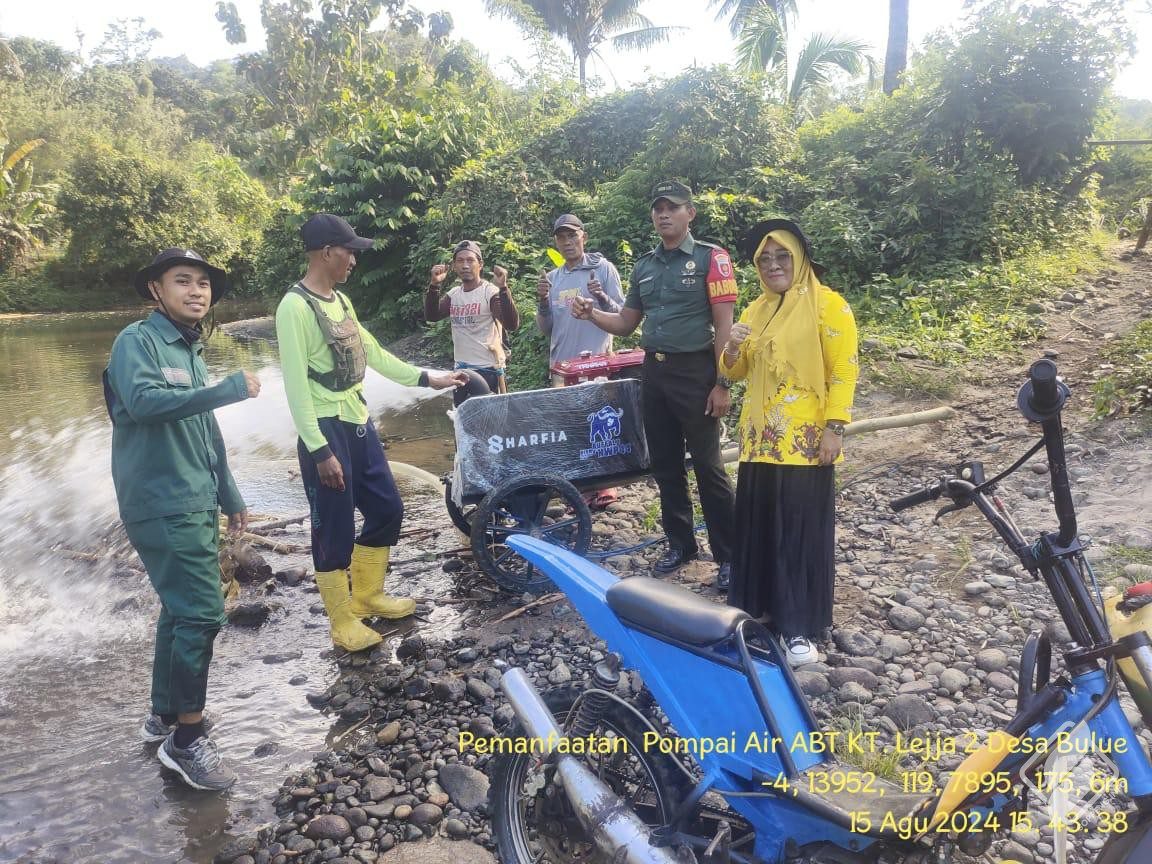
604	430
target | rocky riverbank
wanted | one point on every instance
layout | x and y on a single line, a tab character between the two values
929	622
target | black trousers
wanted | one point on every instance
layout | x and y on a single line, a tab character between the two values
675	395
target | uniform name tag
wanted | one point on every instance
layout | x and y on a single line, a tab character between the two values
645	279
177	377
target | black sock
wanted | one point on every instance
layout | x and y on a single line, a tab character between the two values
186	733
168	719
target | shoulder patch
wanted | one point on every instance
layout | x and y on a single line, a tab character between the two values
721	278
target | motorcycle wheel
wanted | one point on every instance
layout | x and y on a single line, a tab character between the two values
532	820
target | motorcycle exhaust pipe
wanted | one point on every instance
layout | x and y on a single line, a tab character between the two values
617	831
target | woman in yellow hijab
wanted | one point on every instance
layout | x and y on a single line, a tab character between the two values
795	345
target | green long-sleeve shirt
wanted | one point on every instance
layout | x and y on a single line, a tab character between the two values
301	346
168	454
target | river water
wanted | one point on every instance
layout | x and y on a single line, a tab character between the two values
76	784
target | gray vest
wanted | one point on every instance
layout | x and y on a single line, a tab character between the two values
343	340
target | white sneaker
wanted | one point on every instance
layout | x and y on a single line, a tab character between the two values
799	651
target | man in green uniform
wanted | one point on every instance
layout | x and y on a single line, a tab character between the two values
324	352
684	290
171	476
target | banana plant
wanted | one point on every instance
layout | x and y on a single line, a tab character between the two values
25	206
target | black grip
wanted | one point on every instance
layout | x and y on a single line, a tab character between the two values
931	493
1045	393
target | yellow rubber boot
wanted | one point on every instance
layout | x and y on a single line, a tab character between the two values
347	630
369	565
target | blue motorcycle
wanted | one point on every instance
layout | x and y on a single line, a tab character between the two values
595	774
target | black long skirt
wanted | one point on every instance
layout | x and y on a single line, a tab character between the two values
785	558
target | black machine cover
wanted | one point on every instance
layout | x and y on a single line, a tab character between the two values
590	432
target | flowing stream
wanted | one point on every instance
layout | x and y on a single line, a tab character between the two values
76	783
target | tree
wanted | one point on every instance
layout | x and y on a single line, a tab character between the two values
322	66
37	59
9	63
126	42
1029	81
307	61
586	25
763	47
737	11
229	17
896	57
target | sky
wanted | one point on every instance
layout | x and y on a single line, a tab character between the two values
189	27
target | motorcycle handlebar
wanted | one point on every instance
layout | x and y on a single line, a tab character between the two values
1046	397
913	499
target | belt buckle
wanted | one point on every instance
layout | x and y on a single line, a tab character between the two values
660	356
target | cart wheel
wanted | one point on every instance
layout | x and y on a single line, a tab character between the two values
461	516
547	507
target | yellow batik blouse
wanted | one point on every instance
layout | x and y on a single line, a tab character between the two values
785	423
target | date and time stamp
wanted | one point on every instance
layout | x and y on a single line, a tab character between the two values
871	791
1056	769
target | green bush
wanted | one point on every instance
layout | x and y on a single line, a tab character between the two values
1129	386
1126	172
121	208
381	173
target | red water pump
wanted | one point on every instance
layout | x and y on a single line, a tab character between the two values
589	366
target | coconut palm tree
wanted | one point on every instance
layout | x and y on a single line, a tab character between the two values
896	57
762	46
586	24
737	11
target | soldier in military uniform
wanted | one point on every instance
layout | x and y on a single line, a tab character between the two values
685	291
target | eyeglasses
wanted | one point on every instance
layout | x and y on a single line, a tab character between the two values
780	259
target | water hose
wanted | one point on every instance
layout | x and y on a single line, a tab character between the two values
419	475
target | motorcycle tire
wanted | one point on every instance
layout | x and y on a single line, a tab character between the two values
525	834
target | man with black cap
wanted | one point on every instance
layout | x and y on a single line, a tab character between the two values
684	290
324	352
480	311
581	275
171	475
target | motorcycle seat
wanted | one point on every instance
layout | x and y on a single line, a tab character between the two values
672	611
